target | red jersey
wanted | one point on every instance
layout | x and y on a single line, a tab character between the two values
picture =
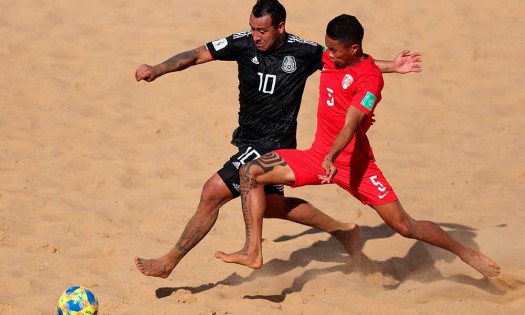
359	85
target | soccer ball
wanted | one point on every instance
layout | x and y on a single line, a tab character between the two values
77	300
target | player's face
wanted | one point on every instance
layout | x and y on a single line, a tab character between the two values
341	55
265	35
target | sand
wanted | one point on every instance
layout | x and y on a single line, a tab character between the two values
96	168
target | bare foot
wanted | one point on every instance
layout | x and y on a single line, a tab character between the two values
160	267
481	263
349	238
242	257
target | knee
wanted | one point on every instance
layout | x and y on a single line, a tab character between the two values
213	197
247	171
405	228
207	193
395	216
244	170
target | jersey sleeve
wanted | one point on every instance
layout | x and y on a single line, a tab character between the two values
320	55
227	48
368	92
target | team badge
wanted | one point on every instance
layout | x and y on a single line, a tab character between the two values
347	80
289	64
219	44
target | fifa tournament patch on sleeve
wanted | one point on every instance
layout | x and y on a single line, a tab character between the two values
369	100
220	44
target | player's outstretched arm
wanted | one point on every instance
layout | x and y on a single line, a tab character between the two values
178	62
405	62
353	118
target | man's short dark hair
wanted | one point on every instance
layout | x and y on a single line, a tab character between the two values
272	7
346	29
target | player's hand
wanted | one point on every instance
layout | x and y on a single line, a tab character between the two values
146	73
330	171
407	61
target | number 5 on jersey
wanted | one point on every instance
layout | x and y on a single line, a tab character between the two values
379	186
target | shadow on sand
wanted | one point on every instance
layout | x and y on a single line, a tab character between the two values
418	264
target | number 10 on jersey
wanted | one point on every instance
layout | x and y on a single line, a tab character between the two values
267	82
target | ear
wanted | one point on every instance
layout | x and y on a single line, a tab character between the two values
355	48
280	27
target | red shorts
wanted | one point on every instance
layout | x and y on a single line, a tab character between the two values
363	179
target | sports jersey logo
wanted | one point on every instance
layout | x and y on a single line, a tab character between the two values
295	39
347	80
242	34
279	187
255	60
289	64
380	187
237	187
219	44
369	100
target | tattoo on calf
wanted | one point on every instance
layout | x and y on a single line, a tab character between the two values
245	213
267	163
192	235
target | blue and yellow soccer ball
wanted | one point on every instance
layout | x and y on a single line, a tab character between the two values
77	300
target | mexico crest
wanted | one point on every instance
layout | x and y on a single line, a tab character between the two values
289	64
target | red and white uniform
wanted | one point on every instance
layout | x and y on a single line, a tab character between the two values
360	86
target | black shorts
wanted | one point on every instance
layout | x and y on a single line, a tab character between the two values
229	173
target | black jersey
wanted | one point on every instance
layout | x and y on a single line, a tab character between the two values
271	86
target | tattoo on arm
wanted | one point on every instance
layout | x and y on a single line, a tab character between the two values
183	60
